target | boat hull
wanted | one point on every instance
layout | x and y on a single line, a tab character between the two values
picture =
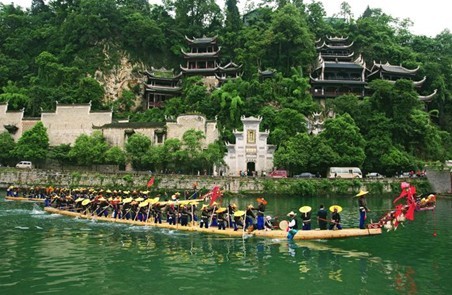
272	234
23	199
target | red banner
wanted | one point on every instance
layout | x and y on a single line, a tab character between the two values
151	181
216	193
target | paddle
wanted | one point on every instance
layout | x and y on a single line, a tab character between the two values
104	210
147	214
127	212
211	216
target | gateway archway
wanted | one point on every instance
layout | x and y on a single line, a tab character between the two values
250	168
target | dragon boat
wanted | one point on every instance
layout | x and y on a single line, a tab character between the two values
194	227
24	199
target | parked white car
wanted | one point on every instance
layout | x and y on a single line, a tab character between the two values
24	165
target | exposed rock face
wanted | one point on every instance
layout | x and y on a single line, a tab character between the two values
122	77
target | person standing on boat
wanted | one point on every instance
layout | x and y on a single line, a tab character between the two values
204	217
322	217
306	217
335	217
249	217
171	214
363	209
260	213
231	210
157	213
221	220
184	214
293	225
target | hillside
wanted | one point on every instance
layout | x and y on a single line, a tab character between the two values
81	51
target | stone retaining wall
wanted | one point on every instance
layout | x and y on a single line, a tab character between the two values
138	180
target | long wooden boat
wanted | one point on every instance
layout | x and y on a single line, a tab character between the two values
272	234
24	199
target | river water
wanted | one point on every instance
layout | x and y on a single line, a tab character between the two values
43	253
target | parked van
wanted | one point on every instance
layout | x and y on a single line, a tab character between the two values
24	165
278	174
344	172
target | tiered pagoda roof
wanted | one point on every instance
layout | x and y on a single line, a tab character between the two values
163	80
334	78
203	57
337	73
335	48
160	85
392	73
229	71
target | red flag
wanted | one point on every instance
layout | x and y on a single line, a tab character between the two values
151	181
410	213
215	194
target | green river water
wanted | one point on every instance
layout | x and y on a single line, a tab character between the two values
52	254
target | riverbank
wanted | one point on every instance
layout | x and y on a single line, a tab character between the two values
176	182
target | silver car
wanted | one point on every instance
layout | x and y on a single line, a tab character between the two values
374	175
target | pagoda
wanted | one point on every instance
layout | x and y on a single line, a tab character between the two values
227	72
161	85
203	57
337	72
392	73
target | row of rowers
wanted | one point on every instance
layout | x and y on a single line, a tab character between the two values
50	192
175	211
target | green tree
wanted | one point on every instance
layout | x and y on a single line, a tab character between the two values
192	146
15	97
294	154
344	138
33	144
323	155
292	43
196	17
90	91
89	149
7	146
137	149
115	155
60	153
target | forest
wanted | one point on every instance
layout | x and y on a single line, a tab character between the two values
52	51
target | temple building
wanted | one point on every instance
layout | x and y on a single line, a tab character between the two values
337	72
250	154
160	85
203	57
392	73
227	72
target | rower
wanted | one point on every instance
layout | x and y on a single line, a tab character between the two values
306	217
204	216
260	213
293	225
335	217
